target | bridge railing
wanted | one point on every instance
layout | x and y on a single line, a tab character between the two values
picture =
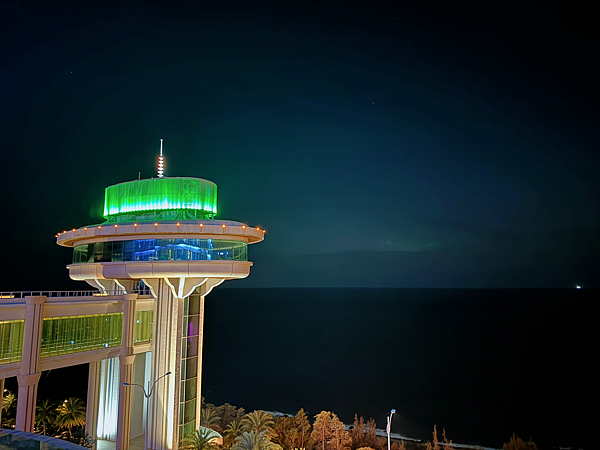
87	293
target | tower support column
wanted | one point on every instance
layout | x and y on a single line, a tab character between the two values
93	401
30	375
126	360
166	353
202	291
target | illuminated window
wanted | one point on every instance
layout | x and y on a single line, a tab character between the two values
190	348
161	250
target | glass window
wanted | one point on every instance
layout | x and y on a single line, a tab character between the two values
162	250
190	389
194	305
193	326
191	368
190	411
182	372
192	346
189	428
117	251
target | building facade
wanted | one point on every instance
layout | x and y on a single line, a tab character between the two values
152	263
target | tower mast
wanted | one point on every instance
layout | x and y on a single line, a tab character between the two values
161	161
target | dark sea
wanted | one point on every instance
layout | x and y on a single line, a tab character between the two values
480	364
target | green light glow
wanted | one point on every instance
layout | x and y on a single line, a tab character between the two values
161	194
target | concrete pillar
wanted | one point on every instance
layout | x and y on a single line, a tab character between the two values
166	357
126	360
93	400
138	400
30	375
203	291
123	424
199	369
1	395
108	399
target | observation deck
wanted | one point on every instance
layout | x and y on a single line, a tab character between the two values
160	228
199	229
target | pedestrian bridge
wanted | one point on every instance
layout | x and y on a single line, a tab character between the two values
77	327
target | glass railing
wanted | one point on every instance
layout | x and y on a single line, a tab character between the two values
65	335
86	293
73	334
11	341
144	321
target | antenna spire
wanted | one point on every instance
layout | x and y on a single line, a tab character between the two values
161	161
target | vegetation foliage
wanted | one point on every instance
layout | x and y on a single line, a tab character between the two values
256	430
201	439
254	440
516	443
64	421
71	413
259	430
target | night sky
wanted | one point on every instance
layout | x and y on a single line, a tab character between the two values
378	144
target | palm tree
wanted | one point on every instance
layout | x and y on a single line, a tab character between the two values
71	413
199	440
209	417
257	421
45	414
9	422
254	440
8	400
233	430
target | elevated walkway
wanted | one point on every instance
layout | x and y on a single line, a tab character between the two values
75	327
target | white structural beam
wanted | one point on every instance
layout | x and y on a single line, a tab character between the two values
92	403
126	360
166	353
30	373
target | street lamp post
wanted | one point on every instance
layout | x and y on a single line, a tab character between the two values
389	426
148	395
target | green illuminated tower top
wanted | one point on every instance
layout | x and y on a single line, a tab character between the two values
161	199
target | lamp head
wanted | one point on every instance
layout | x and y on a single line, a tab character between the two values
168	373
393	411
126	384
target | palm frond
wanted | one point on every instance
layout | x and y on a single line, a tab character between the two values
258	421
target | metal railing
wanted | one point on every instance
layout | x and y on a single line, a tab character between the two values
54	294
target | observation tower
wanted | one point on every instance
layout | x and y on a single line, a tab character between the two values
161	236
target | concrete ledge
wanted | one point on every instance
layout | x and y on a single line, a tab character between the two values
72	359
159	269
10	369
200	229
